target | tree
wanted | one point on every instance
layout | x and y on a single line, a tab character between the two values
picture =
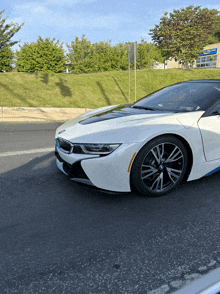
7	31
6	59
214	36
183	35
41	56
148	55
78	52
88	57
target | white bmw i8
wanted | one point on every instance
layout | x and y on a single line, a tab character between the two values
153	145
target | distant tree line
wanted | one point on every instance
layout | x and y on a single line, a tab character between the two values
181	35
102	56
48	56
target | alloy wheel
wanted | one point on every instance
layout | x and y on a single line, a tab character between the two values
162	167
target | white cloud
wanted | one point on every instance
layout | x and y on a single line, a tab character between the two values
42	15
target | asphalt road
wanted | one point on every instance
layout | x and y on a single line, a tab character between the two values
57	236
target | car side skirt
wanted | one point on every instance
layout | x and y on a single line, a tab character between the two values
204	169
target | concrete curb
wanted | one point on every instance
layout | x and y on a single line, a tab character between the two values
41	114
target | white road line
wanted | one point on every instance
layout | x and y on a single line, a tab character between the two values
27	152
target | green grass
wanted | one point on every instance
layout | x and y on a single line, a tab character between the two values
88	90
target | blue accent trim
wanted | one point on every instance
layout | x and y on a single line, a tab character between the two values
57	143
213	171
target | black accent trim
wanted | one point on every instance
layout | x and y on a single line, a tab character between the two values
67	167
74	171
77	171
83	181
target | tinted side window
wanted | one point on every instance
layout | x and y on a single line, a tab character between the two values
217	107
186	96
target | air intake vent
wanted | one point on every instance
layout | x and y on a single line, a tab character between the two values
76	171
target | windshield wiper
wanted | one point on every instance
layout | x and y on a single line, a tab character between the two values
146	108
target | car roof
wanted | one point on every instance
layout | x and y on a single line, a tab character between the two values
207	81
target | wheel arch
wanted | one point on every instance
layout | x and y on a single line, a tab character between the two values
189	153
188	149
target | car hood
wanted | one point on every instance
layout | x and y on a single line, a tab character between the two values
104	123
117	112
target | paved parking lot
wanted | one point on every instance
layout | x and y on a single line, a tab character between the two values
61	237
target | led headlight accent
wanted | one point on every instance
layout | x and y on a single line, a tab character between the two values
102	149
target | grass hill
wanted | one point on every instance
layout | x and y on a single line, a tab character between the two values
88	90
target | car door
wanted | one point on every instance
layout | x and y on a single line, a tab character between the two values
210	130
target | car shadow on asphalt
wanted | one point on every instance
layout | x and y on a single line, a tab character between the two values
43	168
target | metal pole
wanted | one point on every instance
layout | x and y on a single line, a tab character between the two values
135	48
129	77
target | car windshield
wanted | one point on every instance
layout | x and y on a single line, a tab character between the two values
183	97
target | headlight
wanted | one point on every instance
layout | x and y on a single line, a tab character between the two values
102	149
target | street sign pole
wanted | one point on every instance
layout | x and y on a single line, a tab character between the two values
129	77
132	57
135	55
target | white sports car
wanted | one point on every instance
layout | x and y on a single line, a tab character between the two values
167	137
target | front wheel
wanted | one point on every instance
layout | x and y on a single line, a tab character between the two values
160	166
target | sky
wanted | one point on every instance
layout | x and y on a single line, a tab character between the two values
99	20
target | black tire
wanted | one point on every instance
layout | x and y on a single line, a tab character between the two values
155	175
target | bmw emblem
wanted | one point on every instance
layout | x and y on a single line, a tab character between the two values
60	132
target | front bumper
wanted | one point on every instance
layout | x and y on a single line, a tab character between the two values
107	172
74	171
